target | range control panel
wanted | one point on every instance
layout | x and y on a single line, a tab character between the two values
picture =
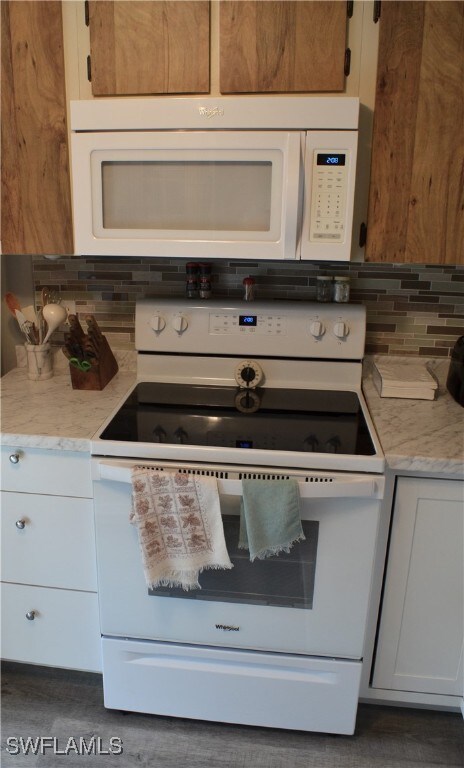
287	329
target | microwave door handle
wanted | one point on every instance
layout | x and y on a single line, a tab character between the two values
367	487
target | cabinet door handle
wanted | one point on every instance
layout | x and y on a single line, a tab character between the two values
30	615
14	458
20	524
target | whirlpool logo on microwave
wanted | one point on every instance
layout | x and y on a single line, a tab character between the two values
228	627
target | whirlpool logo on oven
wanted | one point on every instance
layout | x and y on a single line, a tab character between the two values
228	627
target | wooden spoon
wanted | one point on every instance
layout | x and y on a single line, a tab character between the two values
13	303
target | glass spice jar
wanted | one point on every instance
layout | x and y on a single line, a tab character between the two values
191	284
324	288
341	292
205	281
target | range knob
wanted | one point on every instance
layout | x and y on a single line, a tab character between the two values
179	323
248	374
157	323
316	329
341	329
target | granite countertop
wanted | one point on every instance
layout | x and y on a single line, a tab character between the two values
416	435
424	436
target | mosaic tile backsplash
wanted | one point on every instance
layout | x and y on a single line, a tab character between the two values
411	309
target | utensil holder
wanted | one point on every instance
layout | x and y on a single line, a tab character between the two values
39	361
101	372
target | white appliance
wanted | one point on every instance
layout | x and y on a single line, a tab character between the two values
228	178
277	642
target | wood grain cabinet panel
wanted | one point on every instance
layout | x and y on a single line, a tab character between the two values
416	201
288	46
36	197
149	47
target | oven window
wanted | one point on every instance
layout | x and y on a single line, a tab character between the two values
283	580
187	195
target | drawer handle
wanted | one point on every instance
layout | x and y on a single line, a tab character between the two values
30	615
14	458
21	524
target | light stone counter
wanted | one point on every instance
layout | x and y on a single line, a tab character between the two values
416	435
425	436
51	414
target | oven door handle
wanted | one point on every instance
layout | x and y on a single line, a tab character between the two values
330	488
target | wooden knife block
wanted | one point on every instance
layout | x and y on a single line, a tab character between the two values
99	374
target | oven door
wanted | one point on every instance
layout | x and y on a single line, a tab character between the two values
311	601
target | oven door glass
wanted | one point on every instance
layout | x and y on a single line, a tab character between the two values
286	579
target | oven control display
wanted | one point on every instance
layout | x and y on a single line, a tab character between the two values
248	320
222	323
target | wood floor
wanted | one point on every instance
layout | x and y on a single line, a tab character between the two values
38	701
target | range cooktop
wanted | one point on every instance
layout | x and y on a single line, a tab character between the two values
301	420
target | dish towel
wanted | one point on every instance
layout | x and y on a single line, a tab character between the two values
179	525
270	520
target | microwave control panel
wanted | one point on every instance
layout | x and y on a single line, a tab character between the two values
328	201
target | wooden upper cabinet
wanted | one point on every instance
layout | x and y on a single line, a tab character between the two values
271	47
149	47
416	201
36	197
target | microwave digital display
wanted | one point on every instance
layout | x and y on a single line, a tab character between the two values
324	159
248	320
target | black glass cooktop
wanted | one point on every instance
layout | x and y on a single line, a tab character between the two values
271	419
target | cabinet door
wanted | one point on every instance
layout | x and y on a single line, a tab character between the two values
417	190
286	46
421	631
149	47
36	197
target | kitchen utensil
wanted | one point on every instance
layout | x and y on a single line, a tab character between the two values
55	315
45	295
81	365
26	327
12	303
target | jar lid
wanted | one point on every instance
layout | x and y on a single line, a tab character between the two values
324	277
341	278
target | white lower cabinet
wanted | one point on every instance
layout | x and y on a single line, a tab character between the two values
420	642
49	612
55	627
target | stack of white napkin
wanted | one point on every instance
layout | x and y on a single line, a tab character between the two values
404	378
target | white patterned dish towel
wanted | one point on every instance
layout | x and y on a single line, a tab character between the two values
179	524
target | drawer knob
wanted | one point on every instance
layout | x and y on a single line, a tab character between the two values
14	458
20	524
30	615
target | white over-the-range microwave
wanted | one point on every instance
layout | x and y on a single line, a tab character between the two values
228	178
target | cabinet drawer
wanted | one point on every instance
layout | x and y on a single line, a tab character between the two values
48	541
63	633
64	473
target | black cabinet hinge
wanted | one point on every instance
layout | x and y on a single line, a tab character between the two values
89	69
377	10
349	8
87	13
362	235
347	64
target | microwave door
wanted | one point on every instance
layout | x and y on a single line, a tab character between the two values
330	169
230	194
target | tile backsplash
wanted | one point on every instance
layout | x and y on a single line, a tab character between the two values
411	309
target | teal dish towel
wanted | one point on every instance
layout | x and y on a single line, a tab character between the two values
270	520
